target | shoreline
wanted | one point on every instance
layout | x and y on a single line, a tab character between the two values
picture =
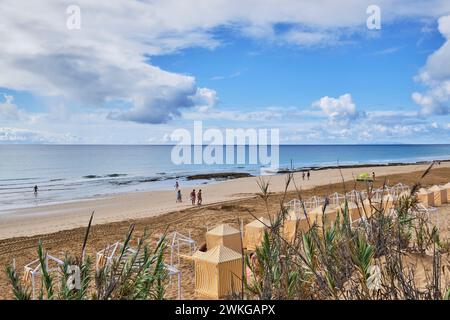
47	219
203	178
364	165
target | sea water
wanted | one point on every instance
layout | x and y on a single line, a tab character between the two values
73	172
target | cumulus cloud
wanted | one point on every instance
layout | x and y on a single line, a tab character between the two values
109	59
9	111
104	62
339	110
435	75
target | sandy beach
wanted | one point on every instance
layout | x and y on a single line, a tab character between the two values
122	207
237	201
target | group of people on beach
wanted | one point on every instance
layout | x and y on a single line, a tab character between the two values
307	174
195	197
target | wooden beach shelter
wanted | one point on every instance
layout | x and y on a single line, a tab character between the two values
388	203
439	195
218	272
371	206
318	216
254	233
293	223
353	211
447	188
225	235
426	197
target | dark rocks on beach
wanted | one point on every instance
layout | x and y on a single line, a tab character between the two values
219	176
115	175
91	176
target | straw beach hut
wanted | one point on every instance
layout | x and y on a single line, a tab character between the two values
254	233
293	223
218	272
318	216
371	207
224	235
353	211
439	195
426	197
447	188
388	203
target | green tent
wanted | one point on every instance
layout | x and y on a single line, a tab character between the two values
364	177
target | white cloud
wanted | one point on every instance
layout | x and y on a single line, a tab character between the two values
107	64
17	135
339	110
309	38
435	75
165	108
109	58
9	111
230	76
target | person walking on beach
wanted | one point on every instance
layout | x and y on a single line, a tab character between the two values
179	200
303	175
177	185
193	197
308	174
199	197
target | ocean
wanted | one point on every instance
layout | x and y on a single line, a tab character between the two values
73	172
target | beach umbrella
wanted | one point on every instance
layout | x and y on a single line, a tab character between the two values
218	272
224	235
254	233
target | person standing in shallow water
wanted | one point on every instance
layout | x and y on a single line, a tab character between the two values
199	197
35	188
193	197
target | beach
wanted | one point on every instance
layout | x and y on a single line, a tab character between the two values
236	201
124	207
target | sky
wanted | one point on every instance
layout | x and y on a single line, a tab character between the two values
135	71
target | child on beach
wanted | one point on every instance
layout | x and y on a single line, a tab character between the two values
179	196
193	197
199	197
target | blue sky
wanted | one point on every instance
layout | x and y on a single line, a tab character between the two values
144	69
250	74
